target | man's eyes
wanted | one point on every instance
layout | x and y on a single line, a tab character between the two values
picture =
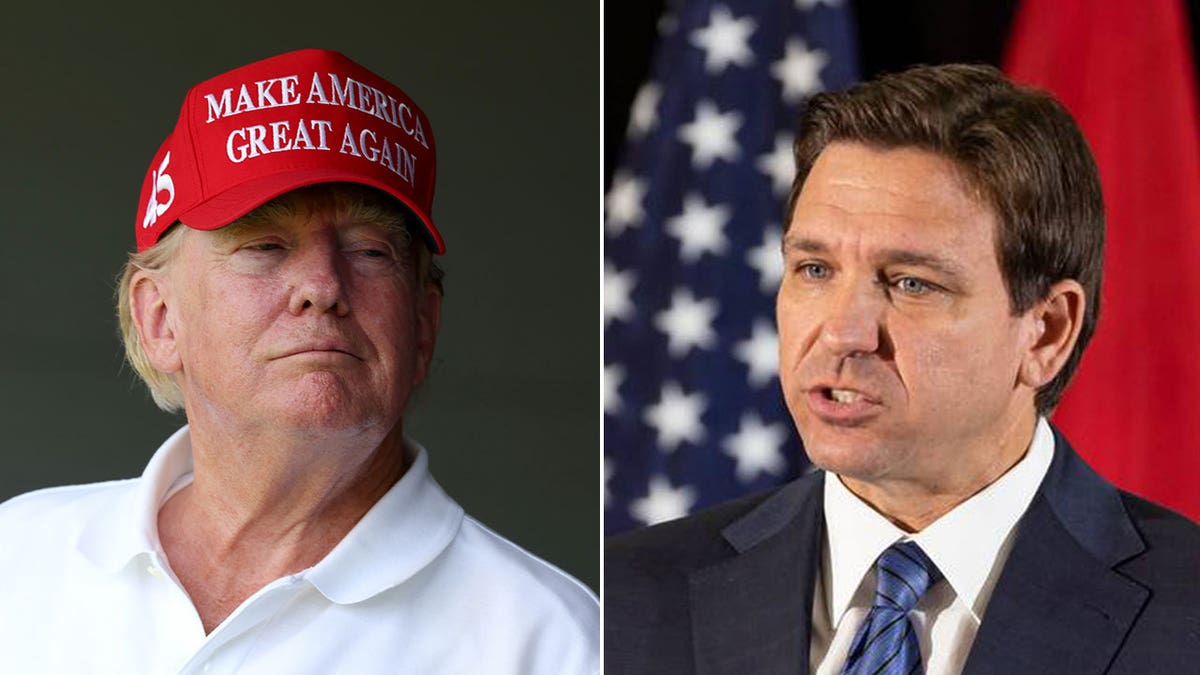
370	250
374	253
913	286
812	270
907	285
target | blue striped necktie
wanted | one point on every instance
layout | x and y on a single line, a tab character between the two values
886	643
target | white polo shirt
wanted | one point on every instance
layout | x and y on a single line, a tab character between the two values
415	587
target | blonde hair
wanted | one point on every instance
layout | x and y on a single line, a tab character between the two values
349	201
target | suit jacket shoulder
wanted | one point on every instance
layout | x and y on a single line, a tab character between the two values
1098	582
725	590
1167	633
675	545
1172	555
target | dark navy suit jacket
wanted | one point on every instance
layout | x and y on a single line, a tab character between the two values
1098	581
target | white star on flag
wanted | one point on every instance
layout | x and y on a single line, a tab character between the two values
644	113
779	164
699	228
767	258
756	448
676	417
760	353
664	502
618	289
614	375
725	40
711	135
800	71
624	202
687	323
708	161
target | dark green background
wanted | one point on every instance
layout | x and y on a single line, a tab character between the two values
511	414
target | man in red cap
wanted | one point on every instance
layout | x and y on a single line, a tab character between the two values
283	295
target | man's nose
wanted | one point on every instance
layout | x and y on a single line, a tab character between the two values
854	320
318	280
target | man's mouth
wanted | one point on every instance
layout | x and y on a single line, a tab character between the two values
330	349
842	395
843	407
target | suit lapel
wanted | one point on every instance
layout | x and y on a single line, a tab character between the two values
1058	606
751	612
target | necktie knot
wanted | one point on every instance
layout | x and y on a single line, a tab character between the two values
902	575
886	643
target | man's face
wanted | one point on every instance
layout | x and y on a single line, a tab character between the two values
313	322
899	351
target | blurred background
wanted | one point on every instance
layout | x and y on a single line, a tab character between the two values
509	414
701	98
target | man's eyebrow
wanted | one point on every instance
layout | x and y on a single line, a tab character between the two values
231	230
804	244
235	230
898	256
891	256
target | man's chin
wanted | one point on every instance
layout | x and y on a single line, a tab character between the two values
323	414
855	455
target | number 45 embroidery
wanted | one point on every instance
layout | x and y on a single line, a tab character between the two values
162	183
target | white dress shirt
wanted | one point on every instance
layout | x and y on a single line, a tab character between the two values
415	587
969	544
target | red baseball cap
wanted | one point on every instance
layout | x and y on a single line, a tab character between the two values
305	117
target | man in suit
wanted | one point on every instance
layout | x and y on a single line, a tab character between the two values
942	279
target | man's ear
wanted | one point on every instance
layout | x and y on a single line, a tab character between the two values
429	318
151	304
1055	321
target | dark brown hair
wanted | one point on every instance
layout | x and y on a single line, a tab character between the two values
1017	146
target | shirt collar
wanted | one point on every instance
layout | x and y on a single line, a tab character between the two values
405	530
965	543
127	526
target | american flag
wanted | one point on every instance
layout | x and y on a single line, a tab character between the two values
693	414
